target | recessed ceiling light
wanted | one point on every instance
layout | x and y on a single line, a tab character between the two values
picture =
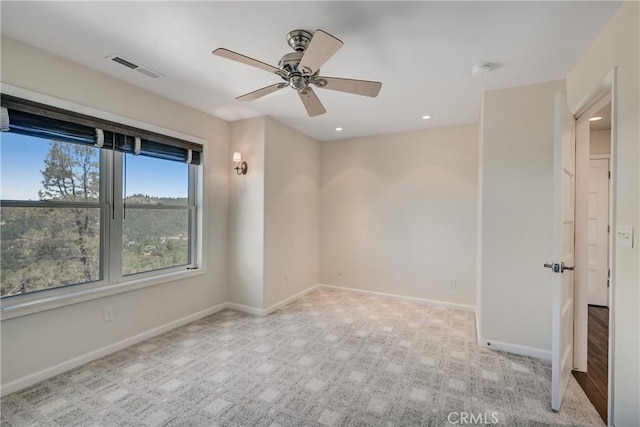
481	69
426	117
595	119
338	129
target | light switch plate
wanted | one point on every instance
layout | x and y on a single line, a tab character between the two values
624	236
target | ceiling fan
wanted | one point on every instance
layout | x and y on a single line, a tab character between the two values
301	68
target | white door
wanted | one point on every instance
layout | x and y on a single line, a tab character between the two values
598	222
562	251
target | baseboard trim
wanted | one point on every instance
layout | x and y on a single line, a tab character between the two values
265	311
52	371
292	298
245	309
515	349
422	301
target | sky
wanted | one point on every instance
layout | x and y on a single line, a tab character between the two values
22	159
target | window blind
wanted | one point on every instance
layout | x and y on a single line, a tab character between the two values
45	127
44	121
126	144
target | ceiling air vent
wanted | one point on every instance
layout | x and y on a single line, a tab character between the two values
142	70
149	73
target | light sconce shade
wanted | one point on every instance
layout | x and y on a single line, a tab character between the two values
241	167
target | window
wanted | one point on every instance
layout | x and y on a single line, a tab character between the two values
85	205
157	215
51	214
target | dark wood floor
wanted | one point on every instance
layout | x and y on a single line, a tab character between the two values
594	381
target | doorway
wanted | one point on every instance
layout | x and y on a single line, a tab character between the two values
595	380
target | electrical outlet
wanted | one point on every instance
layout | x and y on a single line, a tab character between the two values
108	314
340	270
452	283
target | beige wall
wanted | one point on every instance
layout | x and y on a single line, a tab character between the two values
618	45
398	213
292	227
517	184
273	214
600	142
246	215
39	341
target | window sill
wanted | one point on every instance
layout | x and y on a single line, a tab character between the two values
10	310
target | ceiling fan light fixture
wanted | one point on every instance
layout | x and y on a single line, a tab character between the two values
482	69
298	82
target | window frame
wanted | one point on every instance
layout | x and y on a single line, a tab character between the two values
102	203
112	281
118	223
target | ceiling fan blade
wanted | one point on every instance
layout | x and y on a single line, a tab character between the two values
359	87
321	47
234	56
252	96
312	103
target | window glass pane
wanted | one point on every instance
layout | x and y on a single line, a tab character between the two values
154	238
155	181
40	169
43	248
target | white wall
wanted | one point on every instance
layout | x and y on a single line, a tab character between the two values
246	214
600	142
39	341
273	214
618	45
517	184
398	213
291	212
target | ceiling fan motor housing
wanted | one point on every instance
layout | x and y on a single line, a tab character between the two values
289	62
296	78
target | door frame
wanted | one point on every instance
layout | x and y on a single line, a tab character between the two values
606	89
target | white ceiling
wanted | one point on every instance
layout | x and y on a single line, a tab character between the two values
420	51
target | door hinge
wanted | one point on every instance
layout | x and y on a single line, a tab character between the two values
609	174
608	229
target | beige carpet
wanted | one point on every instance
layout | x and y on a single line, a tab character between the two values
328	359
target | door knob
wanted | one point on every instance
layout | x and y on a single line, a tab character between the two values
553	266
557	268
563	267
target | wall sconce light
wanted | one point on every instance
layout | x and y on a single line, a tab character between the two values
241	167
